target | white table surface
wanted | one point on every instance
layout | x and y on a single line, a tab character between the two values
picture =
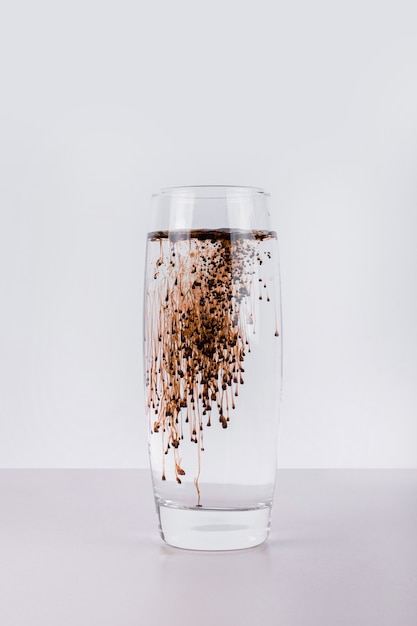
81	548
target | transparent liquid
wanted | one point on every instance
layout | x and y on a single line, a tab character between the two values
213	368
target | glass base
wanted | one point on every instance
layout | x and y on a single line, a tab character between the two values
213	529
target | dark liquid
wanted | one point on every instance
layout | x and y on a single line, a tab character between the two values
200	310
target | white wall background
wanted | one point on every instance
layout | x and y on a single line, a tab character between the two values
104	102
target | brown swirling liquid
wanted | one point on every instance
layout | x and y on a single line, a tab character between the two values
203	288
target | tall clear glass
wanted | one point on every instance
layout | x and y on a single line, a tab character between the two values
212	330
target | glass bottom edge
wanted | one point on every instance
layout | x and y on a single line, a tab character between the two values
213	529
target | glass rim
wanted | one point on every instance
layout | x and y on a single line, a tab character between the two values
211	192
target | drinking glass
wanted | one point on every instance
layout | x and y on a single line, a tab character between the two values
212	350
